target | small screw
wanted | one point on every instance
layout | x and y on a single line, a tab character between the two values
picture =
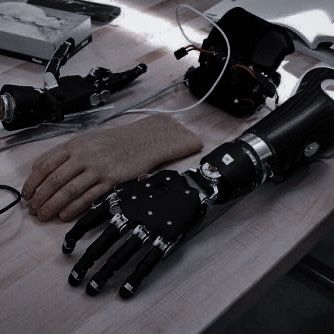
134	197
147	185
187	192
168	178
150	213
212	169
169	222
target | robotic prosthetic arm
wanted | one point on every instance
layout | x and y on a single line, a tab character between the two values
162	209
24	106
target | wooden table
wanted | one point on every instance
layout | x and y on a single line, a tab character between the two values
222	270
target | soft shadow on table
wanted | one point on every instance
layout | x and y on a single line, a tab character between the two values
11	230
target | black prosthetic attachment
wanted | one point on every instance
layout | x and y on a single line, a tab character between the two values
301	129
236	169
158	210
257	49
25	107
295	134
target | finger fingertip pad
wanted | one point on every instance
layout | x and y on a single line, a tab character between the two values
68	245
126	291
92	289
73	281
26	194
66	250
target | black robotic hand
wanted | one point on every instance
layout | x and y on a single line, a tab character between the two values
165	207
159	210
25	106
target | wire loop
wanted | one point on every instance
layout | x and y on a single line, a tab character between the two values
13	203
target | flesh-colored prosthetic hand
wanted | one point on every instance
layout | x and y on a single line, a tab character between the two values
67	179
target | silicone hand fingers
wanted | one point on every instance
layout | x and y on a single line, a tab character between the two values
76	207
53	182
66	194
41	169
46	155
120	154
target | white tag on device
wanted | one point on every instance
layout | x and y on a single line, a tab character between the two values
227	159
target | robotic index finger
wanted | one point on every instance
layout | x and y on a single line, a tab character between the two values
291	136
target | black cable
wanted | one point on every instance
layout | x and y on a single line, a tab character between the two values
13	191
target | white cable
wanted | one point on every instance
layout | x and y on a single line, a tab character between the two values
178	21
186	37
151	98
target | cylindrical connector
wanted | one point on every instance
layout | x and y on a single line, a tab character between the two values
23	107
234	168
7	107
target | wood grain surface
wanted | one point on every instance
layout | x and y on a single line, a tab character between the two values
221	270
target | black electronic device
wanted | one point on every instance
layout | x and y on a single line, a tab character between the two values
97	11
257	49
